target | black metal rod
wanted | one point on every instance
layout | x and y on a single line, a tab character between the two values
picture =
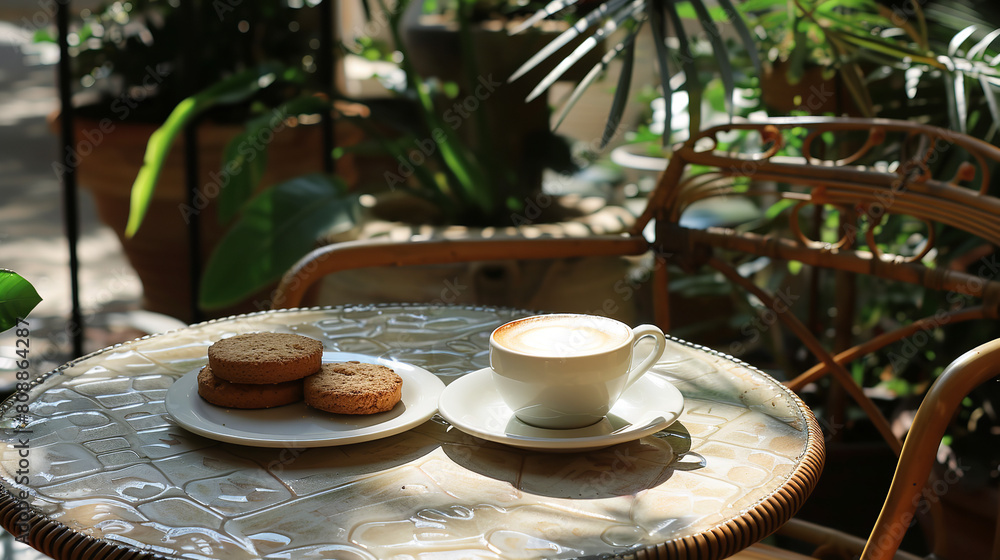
67	172
194	224
328	78
191	56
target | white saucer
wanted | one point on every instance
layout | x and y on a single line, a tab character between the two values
472	404
298	425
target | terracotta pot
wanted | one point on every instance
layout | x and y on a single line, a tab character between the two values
815	93
517	127
110	154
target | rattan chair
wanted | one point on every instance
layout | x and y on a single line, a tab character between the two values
874	169
888	172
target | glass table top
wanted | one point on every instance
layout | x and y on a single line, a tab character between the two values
101	457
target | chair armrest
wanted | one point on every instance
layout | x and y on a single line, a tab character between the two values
920	448
372	253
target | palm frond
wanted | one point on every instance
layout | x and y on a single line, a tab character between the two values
692	81
631	14
979	49
586	46
720	52
658	25
992	105
567	36
959	38
590	77
621	92
743	32
550	9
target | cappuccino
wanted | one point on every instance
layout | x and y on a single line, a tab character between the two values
563	335
566	370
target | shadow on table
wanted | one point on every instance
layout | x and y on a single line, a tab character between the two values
621	470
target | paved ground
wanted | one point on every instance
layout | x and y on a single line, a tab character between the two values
32	233
32	239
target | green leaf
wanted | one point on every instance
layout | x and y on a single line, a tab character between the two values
234	89
277	227
858	373
743	32
779	207
623	10
658	24
692	83
564	38
156	153
959	38
17	298
979	48
750	6
550	9
992	105
799	57
43	35
245	158
955	94
720	52
621	94
243	165
588	79
86	32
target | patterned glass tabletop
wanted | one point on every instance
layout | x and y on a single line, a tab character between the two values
91	459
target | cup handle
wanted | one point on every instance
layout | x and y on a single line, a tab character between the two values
638	333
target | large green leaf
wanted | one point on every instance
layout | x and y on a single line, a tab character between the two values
17	298
245	159
233	89
275	229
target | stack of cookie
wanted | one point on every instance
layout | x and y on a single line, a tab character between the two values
264	370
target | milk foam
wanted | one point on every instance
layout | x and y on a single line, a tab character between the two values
563	336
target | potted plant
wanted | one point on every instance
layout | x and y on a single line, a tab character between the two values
856	57
460	182
134	62
470	45
601	20
885	47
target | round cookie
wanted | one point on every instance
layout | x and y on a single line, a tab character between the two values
245	395
353	388
265	357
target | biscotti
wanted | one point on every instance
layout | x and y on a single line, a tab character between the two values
353	388
265	357
246	395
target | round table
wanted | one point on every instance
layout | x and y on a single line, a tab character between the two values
94	467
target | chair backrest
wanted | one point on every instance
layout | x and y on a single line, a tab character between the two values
892	169
830	202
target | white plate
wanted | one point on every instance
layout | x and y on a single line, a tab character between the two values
298	425
471	404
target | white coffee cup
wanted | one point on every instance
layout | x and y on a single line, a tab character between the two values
567	370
